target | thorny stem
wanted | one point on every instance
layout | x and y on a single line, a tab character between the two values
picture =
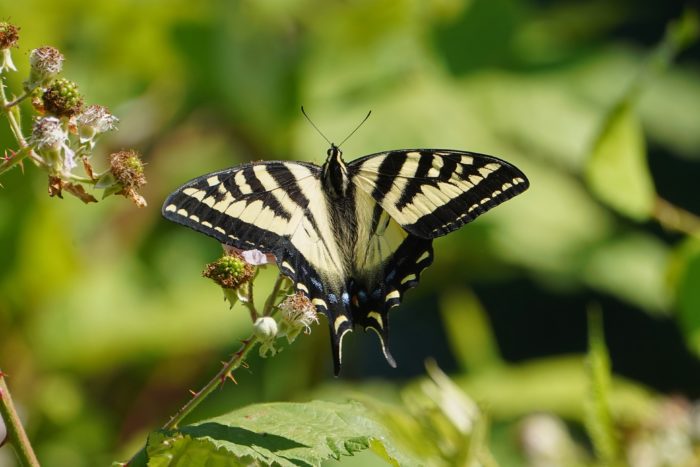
18	437
675	218
230	366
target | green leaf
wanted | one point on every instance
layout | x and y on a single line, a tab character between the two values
468	331
617	170
285	434
687	283
598	417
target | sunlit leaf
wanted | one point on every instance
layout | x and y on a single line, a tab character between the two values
286	434
617	170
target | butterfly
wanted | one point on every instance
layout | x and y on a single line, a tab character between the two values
353	237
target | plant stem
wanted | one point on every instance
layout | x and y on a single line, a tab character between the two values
18	100
18	437
25	150
250	303
267	310
672	217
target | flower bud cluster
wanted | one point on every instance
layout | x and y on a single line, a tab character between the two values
298	314
65	131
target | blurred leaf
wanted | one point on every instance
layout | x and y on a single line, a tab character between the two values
554	384
631	267
617	170
568	224
668	111
468	331
287	434
598	416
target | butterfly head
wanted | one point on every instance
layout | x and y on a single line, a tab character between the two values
334	173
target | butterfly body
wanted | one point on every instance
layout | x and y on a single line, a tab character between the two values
352	237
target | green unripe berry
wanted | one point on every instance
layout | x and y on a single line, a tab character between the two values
62	98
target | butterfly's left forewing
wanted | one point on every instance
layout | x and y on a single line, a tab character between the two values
432	192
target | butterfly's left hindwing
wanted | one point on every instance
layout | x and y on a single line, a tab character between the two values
372	300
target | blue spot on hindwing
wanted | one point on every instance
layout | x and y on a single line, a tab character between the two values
316	283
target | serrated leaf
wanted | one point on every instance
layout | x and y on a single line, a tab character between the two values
285	434
617	170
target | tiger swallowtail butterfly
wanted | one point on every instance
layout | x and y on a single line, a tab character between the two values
353	237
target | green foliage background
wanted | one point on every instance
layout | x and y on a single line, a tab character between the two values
105	322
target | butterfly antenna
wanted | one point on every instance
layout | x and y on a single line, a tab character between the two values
356	128
314	125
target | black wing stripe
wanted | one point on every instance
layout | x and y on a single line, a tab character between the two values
414	183
285	178
392	163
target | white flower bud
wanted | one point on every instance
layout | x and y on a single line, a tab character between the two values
265	328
